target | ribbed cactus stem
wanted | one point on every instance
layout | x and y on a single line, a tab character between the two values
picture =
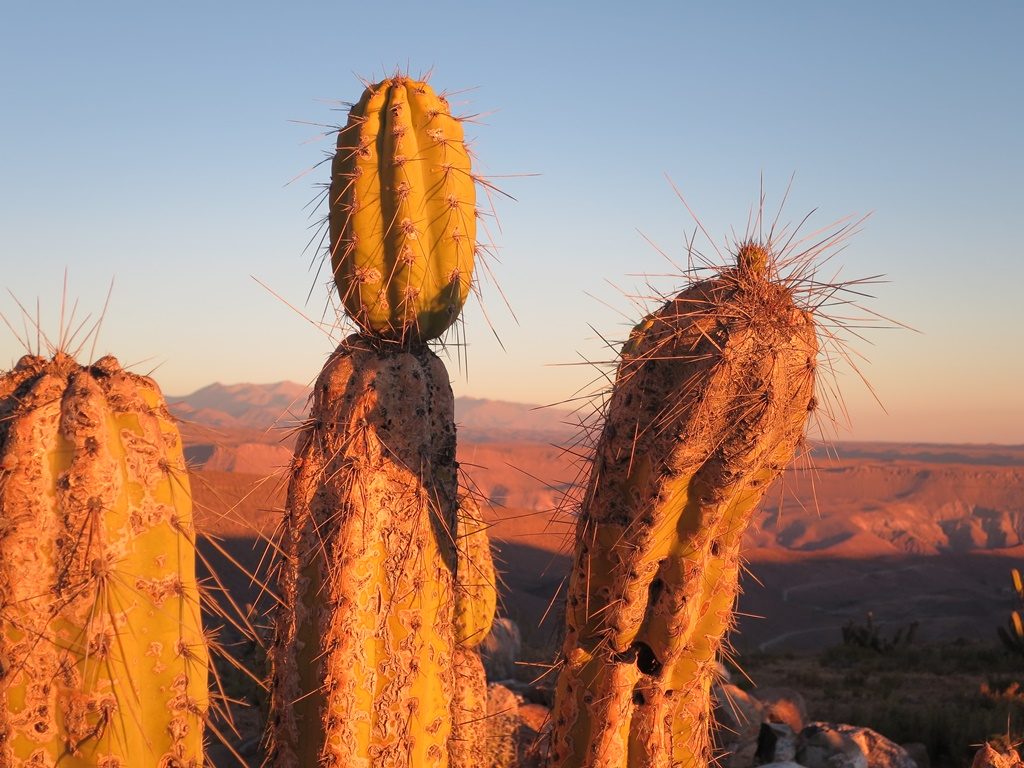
104	662
402	212
476	598
362	660
709	405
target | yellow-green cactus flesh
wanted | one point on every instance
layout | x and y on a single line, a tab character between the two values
476	589
709	405
402	212
364	649
104	660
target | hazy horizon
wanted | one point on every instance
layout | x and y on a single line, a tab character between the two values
155	146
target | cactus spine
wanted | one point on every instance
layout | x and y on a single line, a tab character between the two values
710	401
104	660
402	212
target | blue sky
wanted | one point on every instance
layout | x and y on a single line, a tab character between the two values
153	145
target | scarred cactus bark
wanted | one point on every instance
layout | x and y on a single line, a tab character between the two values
709	405
103	662
402	212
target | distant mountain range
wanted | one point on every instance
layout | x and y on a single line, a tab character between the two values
910	532
243	406
285	403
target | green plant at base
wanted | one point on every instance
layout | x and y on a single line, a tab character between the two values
709	405
104	661
869	635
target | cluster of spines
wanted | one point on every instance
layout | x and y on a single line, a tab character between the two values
1012	635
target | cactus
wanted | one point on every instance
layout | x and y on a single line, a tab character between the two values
709	405
364	641
869	635
402	212
374	659
1013	634
104	663
385	586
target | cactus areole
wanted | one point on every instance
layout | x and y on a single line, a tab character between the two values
402	212
103	663
709	405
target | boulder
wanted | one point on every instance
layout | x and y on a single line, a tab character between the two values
534	726
881	752
830	745
536	692
822	745
989	757
738	716
501	649
534	716
502	727
776	743
783	705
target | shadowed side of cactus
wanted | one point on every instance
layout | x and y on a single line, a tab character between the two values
476	598
709	405
402	212
104	660
476	590
362	659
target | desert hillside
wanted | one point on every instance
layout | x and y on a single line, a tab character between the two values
910	532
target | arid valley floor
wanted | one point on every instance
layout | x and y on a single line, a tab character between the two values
911	533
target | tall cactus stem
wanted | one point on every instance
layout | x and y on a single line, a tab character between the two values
362	660
709	405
